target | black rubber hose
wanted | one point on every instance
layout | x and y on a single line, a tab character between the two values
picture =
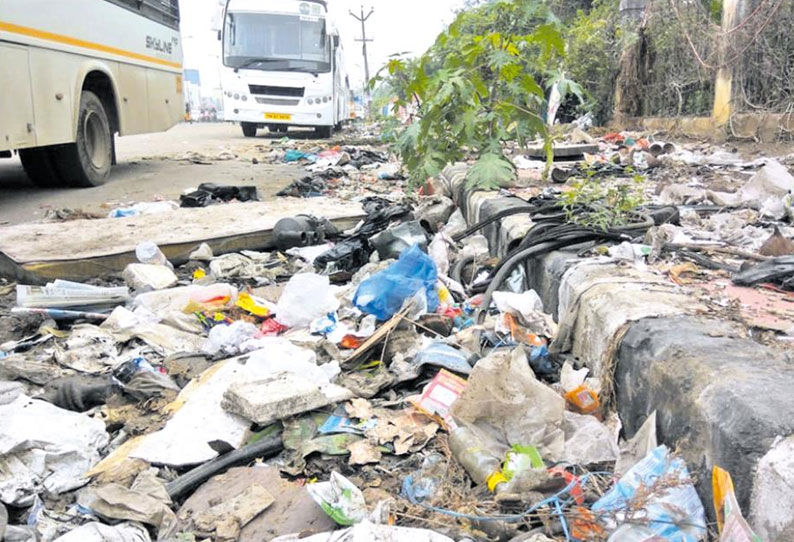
456	273
267	447
498	216
508	265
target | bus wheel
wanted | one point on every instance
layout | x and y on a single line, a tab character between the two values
323	132
249	129
87	161
39	166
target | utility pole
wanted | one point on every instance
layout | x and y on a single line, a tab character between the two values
363	19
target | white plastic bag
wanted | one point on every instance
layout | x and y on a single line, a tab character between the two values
228	339
306	297
45	447
341	499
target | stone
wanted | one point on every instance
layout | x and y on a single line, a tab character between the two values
280	396
772	503
294	511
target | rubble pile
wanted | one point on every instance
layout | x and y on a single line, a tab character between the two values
395	381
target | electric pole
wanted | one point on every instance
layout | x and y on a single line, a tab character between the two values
363	19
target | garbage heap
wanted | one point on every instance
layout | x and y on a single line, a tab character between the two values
391	382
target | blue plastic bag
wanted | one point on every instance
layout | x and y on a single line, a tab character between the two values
384	293
673	511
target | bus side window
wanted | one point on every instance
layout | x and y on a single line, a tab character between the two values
231	30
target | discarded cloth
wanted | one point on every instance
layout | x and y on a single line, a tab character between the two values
210	194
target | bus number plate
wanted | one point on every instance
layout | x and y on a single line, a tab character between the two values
277	116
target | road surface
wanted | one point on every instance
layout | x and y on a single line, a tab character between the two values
152	167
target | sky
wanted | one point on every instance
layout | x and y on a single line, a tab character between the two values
395	25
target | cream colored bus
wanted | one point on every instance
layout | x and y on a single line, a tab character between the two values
74	73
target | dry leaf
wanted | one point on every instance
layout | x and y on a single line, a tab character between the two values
677	271
359	408
364	452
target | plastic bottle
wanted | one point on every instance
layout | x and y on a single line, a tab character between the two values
211	298
471	451
149	253
583	399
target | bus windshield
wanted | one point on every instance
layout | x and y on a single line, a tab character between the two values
276	42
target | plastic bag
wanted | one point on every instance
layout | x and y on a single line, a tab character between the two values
306	298
673	511
340	499
588	441
504	399
733	527
383	294
227	339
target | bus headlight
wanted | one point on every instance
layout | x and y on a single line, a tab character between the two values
245	98
325	99
236	96
310	101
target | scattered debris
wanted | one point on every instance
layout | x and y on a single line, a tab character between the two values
224	398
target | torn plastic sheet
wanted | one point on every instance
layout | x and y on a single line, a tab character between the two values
88	349
198	417
440	354
341	424
673	510
43	446
146	501
639	446
97	532
368	532
588	441
124	325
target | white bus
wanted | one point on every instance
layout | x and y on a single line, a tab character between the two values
282	66
73	73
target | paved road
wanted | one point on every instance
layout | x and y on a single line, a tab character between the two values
150	167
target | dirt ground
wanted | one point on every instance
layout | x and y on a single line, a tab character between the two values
155	166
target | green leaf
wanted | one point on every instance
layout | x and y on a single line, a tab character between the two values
530	86
490	172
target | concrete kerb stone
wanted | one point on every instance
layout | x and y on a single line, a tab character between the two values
722	399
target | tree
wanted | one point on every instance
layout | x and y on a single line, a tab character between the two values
478	87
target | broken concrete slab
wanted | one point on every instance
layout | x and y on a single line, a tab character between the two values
293	511
198	418
280	396
228	517
772	505
83	249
